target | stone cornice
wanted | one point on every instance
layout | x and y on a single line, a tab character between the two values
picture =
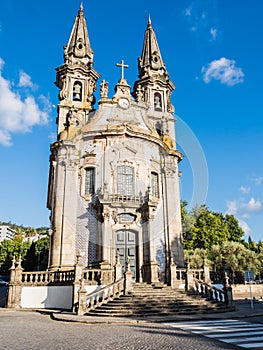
124	129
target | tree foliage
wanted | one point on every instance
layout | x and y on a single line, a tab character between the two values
203	228
33	255
219	239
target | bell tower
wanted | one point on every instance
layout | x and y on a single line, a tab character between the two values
154	87
76	78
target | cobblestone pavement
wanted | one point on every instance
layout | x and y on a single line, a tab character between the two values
20	330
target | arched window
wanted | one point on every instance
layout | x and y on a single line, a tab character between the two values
77	91
157	101
125	180
155	184
89	180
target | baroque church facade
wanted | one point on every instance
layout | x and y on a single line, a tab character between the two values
114	180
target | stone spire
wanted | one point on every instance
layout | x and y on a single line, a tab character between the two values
154	87
76	78
151	59
78	46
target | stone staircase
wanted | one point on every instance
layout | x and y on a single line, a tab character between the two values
156	300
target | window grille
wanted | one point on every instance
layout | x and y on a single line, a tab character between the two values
125	180
155	185
90	181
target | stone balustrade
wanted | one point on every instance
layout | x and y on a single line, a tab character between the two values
119	198
209	291
90	301
42	278
97	276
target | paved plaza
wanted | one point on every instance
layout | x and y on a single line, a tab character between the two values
20	330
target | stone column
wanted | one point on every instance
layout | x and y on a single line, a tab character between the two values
172	210
69	211
62	254
106	235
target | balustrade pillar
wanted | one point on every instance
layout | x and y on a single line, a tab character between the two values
228	291
173	275
189	282
15	284
106	276
82	299
78	275
206	272
128	278
117	268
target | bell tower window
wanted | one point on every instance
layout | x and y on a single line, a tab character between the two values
77	91
125	180
157	102
89	180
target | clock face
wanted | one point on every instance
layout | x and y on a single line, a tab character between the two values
124	103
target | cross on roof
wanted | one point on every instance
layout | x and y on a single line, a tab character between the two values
122	65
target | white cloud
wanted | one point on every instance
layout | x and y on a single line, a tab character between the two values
253	206
245	227
232	207
244	209
224	70
25	80
244	189
17	114
5	138
213	32
257	180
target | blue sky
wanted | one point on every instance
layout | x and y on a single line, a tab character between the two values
213	53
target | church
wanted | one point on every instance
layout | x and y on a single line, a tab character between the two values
113	189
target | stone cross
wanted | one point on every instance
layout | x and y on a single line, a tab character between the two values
122	65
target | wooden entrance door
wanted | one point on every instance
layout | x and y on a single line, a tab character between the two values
126	247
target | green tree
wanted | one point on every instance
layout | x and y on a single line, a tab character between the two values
235	232
203	228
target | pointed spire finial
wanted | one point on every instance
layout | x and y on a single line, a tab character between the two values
149	21
81	7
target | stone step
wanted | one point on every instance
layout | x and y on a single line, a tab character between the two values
129	302
157	313
146	300
136	306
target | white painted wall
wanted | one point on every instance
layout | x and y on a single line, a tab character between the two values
47	297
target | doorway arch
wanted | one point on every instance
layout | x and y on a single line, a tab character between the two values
127	247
